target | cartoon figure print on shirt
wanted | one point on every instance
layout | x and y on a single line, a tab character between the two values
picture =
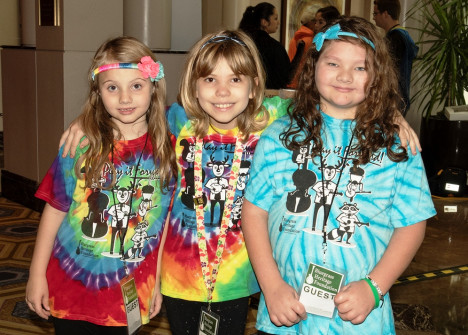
187	195
107	229
94	225
216	170
325	192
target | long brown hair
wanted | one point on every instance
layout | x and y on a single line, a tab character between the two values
242	56
99	128
374	119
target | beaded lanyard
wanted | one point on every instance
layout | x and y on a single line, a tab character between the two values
210	279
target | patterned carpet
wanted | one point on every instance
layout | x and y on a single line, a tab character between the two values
18	228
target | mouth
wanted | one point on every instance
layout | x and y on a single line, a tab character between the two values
343	89
223	106
126	110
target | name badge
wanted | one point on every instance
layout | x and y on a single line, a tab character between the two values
209	323
319	290
132	306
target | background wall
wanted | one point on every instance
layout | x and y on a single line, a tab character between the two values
44	68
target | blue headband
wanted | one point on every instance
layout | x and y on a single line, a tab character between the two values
221	39
334	33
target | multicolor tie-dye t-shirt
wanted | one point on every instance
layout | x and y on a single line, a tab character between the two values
86	266
366	203
181	273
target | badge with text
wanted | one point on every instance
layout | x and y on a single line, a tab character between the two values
319	289
132	306
209	323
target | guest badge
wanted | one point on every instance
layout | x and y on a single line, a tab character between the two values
132	306
319	289
209	323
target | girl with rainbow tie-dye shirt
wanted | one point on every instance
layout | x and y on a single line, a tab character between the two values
96	254
204	261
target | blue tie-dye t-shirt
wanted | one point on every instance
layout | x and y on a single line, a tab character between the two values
364	208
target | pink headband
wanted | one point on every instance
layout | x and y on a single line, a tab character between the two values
147	66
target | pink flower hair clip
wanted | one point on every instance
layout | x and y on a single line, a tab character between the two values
151	69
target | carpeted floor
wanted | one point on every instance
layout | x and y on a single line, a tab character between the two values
18	227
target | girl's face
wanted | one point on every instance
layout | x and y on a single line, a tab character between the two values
271	26
223	95
319	22
341	77
126	95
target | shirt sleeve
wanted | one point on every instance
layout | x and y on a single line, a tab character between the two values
412	200
262	190
59	183
176	118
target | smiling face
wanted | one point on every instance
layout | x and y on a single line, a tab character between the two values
126	95
223	95
341	77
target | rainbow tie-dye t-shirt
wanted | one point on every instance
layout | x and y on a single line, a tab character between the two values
101	228
181	272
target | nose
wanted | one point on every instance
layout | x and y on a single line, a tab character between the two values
125	96
344	75
222	90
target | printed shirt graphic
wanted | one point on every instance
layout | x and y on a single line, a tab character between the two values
181	273
85	268
370	201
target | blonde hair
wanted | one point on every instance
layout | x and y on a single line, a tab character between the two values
241	54
99	128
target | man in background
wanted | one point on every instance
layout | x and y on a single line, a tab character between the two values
404	50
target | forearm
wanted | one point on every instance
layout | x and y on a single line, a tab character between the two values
401	249
255	230
51	220
161	250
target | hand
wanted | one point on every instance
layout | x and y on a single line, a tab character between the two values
283	305
407	134
37	296
156	303
355	301
71	138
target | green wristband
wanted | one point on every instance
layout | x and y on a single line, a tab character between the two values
374	291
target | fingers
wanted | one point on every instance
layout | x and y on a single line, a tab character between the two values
288	318
40	309
64	137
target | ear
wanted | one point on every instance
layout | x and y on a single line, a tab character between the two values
264	23
252	91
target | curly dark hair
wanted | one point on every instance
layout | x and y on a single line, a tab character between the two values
374	119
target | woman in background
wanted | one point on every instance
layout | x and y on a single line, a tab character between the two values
259	22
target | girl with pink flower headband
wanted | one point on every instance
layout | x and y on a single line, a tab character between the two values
94	268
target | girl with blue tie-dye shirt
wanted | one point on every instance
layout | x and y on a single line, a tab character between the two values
332	188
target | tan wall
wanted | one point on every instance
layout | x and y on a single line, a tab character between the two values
20	117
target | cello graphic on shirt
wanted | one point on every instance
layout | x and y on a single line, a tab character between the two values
298	201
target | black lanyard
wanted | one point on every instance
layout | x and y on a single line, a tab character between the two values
326	213
122	236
